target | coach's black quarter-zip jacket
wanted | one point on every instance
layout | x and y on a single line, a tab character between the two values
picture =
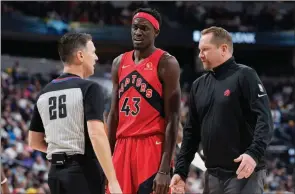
229	114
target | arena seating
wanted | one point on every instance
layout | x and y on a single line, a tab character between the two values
234	16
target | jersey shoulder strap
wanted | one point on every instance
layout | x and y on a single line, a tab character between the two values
125	57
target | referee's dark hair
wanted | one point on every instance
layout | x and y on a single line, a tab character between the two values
70	43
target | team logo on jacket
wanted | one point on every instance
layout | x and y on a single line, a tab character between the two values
227	92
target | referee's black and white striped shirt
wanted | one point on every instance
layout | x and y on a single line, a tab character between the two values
62	110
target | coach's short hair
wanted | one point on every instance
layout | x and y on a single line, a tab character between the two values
220	36
70	43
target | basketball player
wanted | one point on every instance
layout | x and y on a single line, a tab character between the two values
144	115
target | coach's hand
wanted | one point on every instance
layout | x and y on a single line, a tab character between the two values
161	183
177	185
246	167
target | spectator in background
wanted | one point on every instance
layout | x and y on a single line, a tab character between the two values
39	165
276	115
245	16
17	157
290	130
194	183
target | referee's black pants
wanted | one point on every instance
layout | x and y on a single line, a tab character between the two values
77	177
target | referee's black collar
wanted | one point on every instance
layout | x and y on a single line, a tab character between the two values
63	75
224	66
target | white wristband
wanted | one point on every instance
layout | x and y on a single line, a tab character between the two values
4	181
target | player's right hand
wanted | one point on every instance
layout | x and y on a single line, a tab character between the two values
114	187
177	185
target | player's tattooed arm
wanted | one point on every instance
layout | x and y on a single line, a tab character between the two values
113	117
169	74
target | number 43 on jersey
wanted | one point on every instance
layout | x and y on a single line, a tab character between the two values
133	103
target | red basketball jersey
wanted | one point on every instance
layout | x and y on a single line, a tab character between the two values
141	105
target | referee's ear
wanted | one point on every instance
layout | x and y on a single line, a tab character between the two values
80	56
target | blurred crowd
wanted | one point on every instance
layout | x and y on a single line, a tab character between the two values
234	16
27	170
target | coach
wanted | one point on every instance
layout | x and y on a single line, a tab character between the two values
67	124
229	114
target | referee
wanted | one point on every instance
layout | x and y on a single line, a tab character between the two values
67	124
229	113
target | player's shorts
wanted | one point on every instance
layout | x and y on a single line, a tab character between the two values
137	161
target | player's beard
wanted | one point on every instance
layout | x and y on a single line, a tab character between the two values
141	47
136	47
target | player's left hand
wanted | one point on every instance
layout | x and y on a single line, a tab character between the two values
161	183
246	167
